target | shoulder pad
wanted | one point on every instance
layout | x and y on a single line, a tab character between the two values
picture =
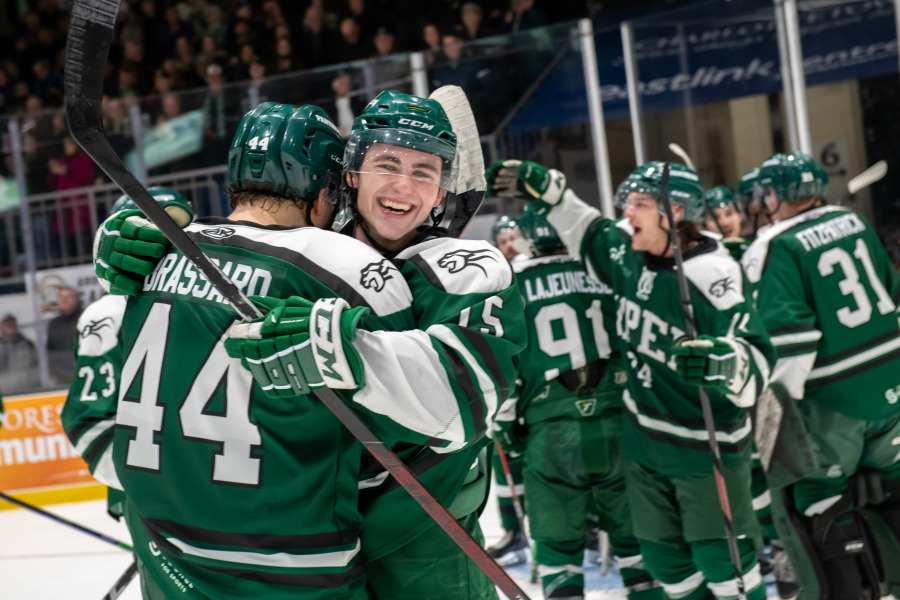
99	324
461	266
717	276
754	258
339	261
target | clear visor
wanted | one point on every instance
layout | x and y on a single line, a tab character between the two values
636	186
421	161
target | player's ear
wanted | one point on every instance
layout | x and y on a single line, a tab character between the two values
351	179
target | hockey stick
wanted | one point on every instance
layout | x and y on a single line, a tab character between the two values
90	33
680	153
122	582
470	182
59	519
874	173
691	332
507	474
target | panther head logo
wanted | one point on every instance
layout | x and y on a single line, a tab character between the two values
218	233
458	260
721	287
94	327
375	275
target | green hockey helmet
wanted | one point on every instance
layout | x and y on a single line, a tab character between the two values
405	121
167	197
287	150
504	223
749	191
719	197
684	188
538	231
793	177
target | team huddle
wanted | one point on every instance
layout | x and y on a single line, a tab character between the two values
573	360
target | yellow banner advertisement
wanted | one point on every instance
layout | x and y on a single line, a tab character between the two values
37	462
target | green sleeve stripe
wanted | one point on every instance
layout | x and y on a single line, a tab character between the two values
868	359
796	338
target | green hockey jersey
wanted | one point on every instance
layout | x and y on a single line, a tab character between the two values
466	303
664	430
89	414
568	316
256	497
827	293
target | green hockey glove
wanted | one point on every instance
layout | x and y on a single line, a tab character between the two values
525	180
511	435
128	246
712	362
300	345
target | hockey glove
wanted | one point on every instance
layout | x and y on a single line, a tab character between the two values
300	345
525	180
712	362
128	246
511	435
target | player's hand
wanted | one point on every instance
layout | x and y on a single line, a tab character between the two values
128	246
525	180
299	345
511	435
709	362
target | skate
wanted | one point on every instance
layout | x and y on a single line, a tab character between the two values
511	550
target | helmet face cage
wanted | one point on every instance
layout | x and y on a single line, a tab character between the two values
684	188
285	150
540	234
720	197
749	192
160	194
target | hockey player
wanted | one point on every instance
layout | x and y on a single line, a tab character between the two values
505	231
827	294
723	215
571	406
668	471
89	413
244	530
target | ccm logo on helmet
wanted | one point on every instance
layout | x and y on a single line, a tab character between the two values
414	123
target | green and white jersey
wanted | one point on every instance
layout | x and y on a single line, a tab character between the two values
469	317
665	429
89	414
828	295
569	316
246	495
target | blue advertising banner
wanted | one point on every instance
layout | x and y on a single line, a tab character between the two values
715	51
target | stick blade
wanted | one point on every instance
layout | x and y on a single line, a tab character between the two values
867	177
680	153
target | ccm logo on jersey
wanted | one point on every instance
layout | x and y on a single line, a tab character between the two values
219	233
458	260
374	276
414	123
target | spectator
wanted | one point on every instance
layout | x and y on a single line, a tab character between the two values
46	85
74	169
61	335
216	106
239	66
215	25
209	52
114	124
522	15
171	107
184	55
317	45
352	45
168	32
19	370
266	91
389	74
6	91
431	38
472	18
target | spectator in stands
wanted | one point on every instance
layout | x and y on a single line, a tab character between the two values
271	15
215	24
47	84
389	74
343	110
239	66
171	107
352	45
266	91
168	32
472	19
217	105
19	370
209	52
431	44
285	61
115	126
239	33
522	15
317	44
185	59
6	91
72	223
61	335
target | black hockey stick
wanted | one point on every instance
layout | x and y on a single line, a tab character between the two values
691	331
72	524
90	32
122	582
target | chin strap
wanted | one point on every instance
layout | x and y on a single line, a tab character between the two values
668	237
